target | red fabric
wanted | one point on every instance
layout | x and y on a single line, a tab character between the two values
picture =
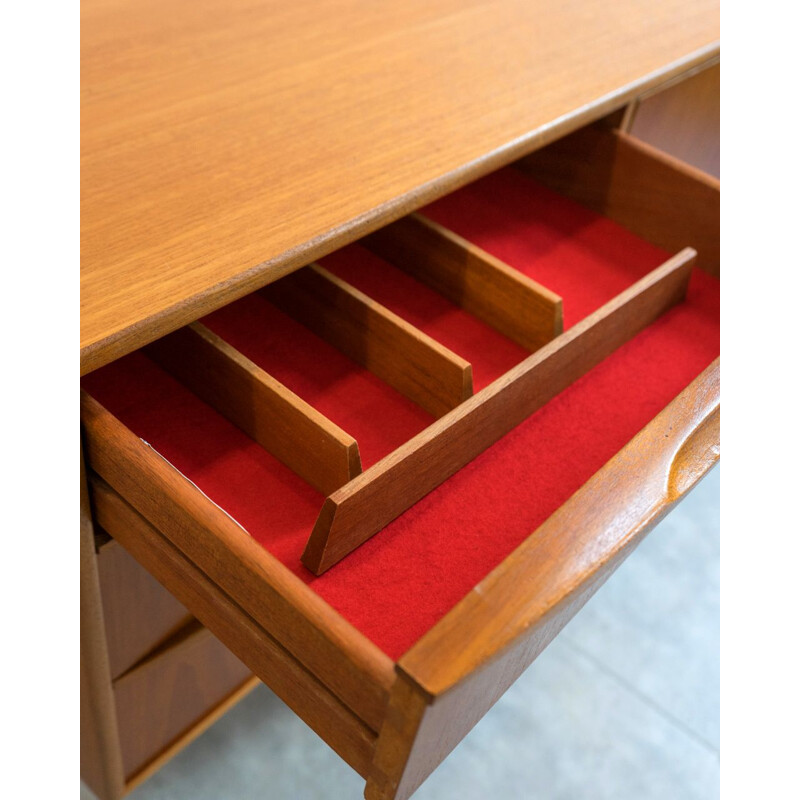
399	583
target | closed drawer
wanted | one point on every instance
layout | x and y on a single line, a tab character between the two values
389	554
165	697
138	612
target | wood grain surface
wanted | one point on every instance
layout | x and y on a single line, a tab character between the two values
140	614
509	301
343	659
464	664
294	432
380	494
101	757
352	737
655	195
425	371
225	144
165	696
190	735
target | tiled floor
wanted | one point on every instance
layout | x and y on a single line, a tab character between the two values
623	705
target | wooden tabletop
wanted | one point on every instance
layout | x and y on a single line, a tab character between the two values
227	143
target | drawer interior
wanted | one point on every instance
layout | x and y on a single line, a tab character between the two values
378	416
396	586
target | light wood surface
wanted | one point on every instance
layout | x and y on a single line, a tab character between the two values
294	432
657	196
464	664
350	736
139	613
343	659
224	145
407	359
513	304
101	757
380	494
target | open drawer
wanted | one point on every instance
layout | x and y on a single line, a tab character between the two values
457	520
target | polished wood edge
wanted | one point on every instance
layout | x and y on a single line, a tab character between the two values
187	738
326	644
101	755
364	506
657	196
351	736
504	298
618	505
98	353
463	665
676	79
401	355
298	435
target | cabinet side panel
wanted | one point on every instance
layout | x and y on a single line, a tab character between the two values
101	761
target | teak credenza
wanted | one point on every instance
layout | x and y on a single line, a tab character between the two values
400	329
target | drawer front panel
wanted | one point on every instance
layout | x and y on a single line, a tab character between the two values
457	671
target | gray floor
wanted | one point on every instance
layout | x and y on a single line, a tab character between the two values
623	705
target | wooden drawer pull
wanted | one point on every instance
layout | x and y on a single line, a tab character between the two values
695	457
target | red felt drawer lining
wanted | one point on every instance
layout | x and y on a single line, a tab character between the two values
398	584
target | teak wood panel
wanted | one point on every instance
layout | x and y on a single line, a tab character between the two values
190	735
658	197
100	754
380	494
344	660
407	359
162	698
507	300
224	145
347	734
139	613
294	432
462	666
